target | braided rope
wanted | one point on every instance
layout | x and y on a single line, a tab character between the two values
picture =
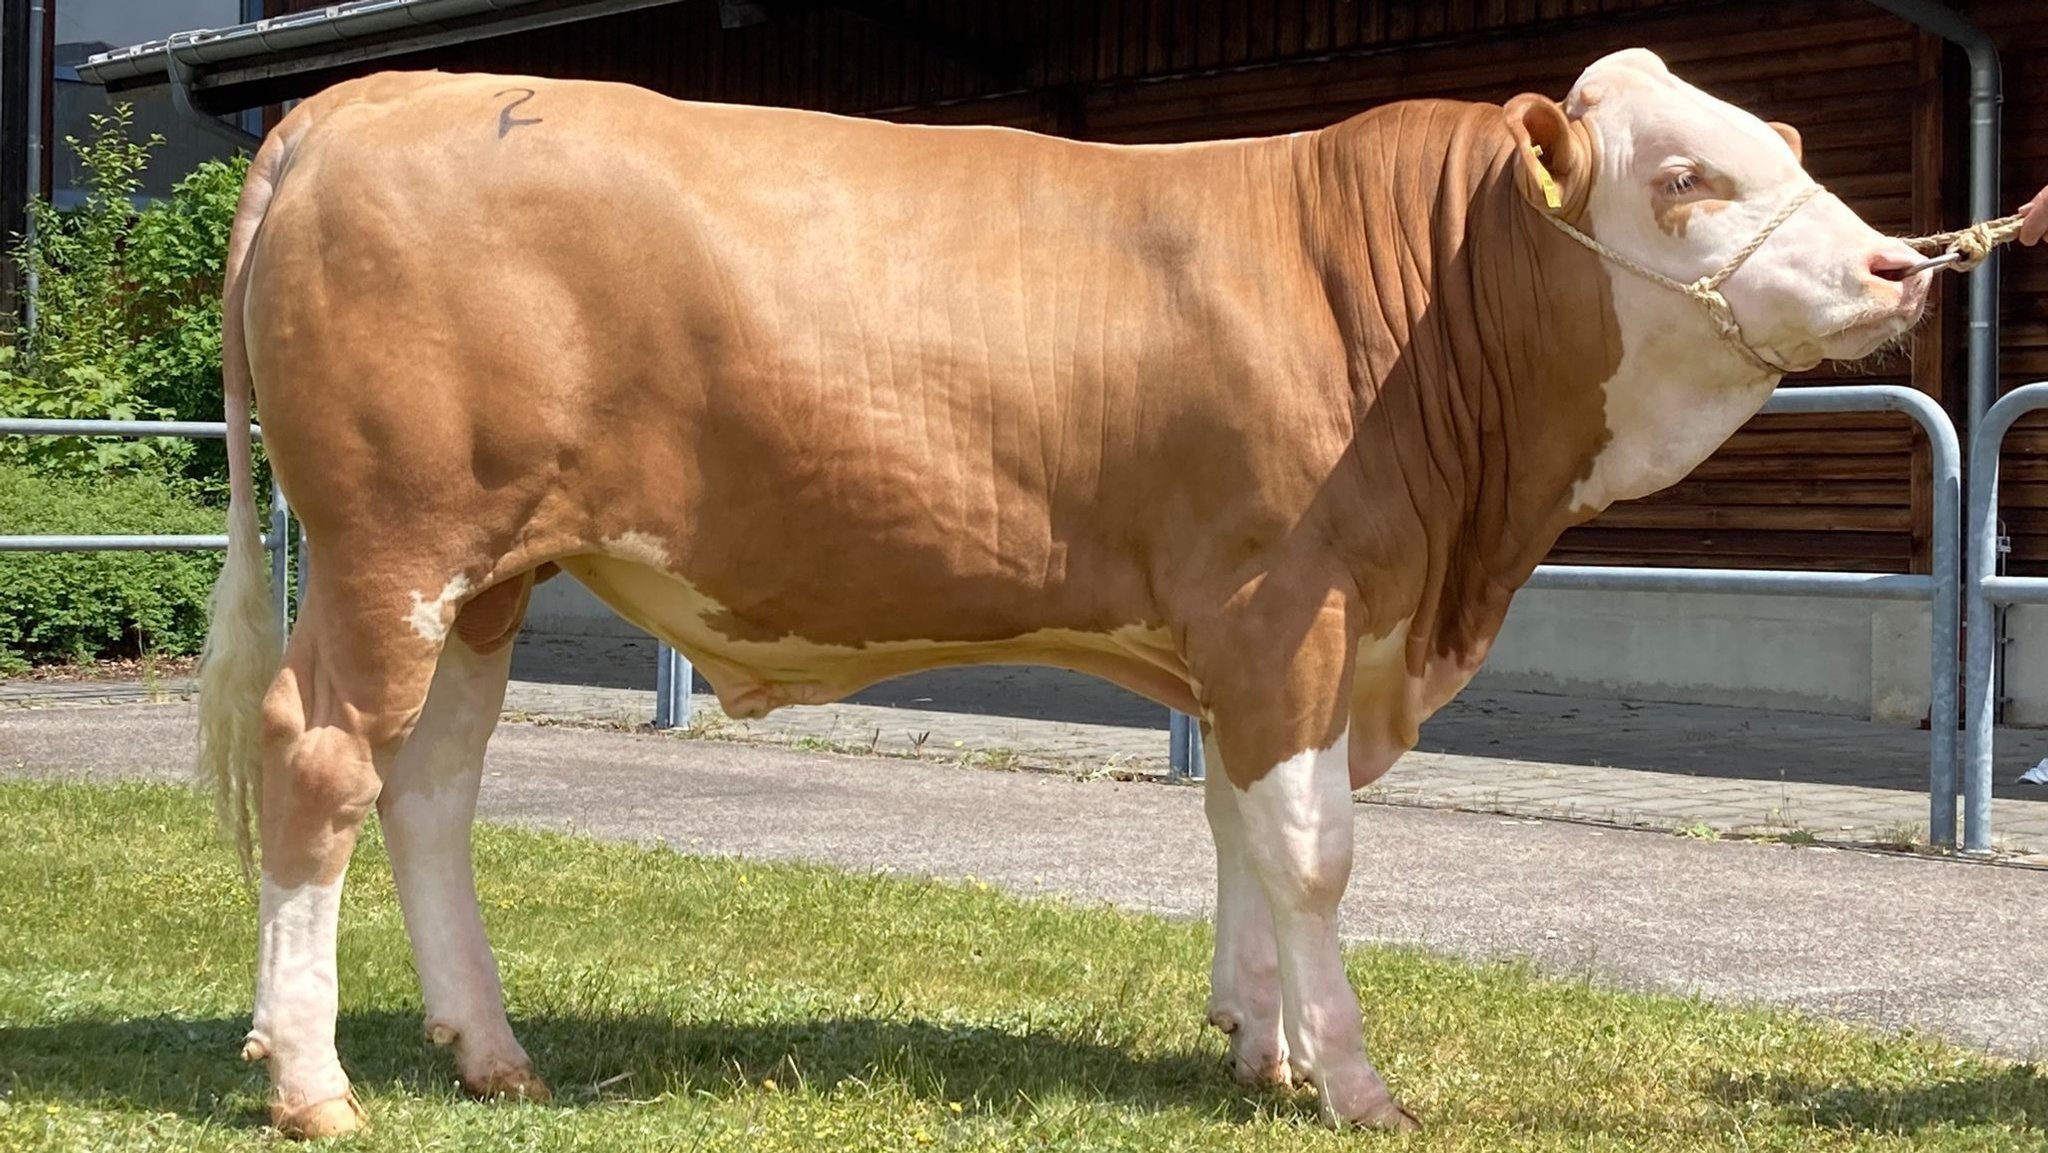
1975	242
1707	289
1762	234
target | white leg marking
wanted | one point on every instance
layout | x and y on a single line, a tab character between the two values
427	806
1244	980
431	618
1297	828
296	991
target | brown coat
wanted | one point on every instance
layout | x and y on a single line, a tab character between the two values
822	401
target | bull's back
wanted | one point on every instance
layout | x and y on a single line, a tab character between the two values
852	381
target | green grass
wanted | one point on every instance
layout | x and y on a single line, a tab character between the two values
678	1003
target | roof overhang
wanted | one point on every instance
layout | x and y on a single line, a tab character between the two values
245	65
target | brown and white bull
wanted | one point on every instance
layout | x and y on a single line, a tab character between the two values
1267	430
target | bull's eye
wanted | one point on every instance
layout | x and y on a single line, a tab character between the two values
1682	184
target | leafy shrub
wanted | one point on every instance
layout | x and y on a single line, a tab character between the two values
127	313
75	606
176	260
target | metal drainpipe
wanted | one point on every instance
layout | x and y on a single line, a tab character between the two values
38	66
1986	95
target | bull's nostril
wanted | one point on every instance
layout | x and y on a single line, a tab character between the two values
1896	268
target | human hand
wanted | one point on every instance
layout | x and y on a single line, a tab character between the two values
2035	226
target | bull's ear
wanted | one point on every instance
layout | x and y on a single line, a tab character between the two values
1556	161
1791	136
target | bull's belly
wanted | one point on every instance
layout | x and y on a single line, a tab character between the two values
753	678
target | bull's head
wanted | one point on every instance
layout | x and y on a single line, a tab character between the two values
1729	266
1661	174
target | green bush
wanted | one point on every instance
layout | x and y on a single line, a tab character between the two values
76	606
176	259
127	314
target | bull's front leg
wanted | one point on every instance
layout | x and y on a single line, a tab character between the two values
1281	728
1244	979
1297	826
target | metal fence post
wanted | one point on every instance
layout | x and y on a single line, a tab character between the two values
1184	758
279	542
1946	560
1977	662
1986	589
1945	635
672	677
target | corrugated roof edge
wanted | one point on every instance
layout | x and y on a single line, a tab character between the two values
211	48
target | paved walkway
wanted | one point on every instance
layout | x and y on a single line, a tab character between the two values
1890	940
1657	766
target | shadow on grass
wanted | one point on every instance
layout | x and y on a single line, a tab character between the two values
2016	1096
166	1064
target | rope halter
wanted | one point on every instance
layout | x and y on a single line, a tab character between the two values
1707	289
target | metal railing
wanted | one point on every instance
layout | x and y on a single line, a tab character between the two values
277	541
1940	588
672	677
1184	756
1988	587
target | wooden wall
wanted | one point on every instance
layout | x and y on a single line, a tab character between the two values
1879	104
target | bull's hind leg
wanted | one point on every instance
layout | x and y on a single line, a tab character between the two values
427	806
333	720
353	686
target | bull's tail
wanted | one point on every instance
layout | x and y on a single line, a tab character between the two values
245	638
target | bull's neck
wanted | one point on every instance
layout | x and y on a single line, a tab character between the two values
1478	337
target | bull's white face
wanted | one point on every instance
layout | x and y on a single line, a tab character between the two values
1681	181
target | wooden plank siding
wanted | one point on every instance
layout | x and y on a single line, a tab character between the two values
1880	106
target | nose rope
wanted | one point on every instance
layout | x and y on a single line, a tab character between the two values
1971	245
1707	289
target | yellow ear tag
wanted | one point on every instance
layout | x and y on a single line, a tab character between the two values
1551	195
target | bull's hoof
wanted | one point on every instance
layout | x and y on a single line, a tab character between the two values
1255	1065
1255	1060
334	1117
1389	1117
515	1084
1386	1116
1360	1101
1258	1074
1395	1118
